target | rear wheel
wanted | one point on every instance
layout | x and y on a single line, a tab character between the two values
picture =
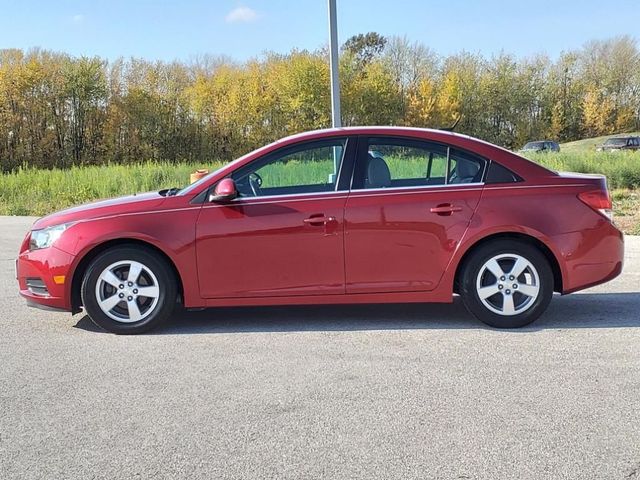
506	284
128	290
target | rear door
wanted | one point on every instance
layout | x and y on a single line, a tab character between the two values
410	204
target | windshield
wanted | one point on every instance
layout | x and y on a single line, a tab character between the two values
533	146
616	142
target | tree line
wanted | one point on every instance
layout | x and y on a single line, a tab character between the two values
59	110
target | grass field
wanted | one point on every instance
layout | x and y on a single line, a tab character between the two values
590	144
622	169
39	192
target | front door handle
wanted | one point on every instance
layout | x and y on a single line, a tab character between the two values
445	209
318	221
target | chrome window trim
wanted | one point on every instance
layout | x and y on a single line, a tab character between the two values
308	194
453	186
293	196
290	197
332	192
273	199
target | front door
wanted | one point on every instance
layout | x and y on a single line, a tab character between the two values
284	234
410	205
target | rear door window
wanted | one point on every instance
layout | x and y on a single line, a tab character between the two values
397	162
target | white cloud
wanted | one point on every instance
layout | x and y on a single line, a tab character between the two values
241	14
79	18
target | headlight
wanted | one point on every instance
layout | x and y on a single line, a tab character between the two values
44	238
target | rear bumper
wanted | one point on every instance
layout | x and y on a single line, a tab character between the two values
52	267
591	257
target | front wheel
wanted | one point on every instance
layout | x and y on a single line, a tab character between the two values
128	290
506	284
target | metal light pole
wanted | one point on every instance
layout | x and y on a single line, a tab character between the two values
335	84
333	53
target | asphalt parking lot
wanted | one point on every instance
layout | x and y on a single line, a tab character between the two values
396	391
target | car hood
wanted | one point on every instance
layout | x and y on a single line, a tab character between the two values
102	208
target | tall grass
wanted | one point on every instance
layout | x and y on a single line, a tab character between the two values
622	169
32	191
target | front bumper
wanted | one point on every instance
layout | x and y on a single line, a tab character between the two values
51	267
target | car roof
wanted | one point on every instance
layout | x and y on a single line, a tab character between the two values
424	133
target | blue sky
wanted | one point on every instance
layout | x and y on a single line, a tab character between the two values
175	29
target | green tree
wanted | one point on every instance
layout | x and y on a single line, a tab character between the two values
84	92
365	47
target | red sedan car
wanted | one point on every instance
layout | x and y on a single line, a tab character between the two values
352	215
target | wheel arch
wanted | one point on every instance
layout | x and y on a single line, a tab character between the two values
517	236
87	258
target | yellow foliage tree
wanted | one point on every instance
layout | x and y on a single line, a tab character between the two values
598	112
449	98
421	104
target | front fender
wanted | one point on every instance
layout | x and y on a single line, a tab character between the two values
170	232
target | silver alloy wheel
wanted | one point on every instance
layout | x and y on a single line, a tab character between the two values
127	291
508	284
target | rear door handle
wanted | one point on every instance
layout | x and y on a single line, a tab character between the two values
319	220
445	209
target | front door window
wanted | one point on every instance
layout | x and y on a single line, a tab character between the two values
309	168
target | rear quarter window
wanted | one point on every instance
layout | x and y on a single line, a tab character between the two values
496	173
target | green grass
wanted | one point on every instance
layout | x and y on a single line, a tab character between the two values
32	191
590	144
299	172
622	169
296	172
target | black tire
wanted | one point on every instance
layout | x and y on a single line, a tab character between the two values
154	314
472	269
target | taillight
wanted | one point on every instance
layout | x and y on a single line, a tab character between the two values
599	200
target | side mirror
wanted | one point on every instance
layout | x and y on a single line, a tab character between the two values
225	190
